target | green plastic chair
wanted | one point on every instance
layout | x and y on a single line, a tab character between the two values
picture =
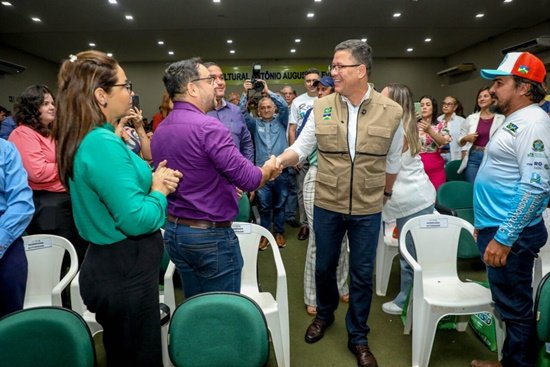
218	329
45	337
244	209
451	169
456	198
542	313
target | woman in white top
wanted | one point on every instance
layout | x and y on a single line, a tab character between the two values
413	193
453	120
476	132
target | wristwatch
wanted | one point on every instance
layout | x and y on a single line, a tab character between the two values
387	194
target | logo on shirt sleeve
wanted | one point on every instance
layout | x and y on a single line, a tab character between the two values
538	146
535	178
511	128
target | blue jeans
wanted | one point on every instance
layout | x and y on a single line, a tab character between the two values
472	166
362	231
511	288
13	278
208	260
272	199
407	274
292	197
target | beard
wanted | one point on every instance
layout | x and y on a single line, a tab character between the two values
495	108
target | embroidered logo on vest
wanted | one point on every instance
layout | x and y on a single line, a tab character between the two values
327	112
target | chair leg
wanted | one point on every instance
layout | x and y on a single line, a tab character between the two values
380	288
462	322
500	331
425	324
276	339
409	319
164	341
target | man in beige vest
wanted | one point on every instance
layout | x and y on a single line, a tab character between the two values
359	147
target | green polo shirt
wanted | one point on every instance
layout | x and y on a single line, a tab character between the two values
110	190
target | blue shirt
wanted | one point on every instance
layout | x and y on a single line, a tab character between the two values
7	126
512	186
231	117
16	205
201	148
269	136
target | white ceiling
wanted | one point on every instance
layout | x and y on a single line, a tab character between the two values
260	29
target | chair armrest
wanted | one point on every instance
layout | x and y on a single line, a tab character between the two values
64	282
169	294
444	210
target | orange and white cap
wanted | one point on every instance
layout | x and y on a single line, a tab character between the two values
522	64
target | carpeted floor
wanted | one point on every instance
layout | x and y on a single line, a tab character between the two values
386	339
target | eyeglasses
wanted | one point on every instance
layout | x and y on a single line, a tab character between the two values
336	68
210	79
127	85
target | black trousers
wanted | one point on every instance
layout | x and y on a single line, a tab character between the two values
119	282
53	214
13	278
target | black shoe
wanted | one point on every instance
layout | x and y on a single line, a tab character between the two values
293	223
304	233
316	330
363	354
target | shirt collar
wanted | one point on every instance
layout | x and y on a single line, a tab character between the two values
223	105
365	97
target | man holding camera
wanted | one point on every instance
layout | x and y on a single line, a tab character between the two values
269	132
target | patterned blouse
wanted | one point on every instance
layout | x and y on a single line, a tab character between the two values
428	143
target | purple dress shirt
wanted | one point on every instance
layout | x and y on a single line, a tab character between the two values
201	148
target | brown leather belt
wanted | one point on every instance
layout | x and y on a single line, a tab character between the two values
477	147
197	223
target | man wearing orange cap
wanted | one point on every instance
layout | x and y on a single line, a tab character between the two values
510	193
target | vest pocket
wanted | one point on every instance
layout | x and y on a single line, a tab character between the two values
327	137
373	191
378	142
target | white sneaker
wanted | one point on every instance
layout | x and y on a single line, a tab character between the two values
391	308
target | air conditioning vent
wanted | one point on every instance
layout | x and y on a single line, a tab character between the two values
457	69
534	46
7	67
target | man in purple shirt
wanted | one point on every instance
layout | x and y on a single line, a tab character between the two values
198	236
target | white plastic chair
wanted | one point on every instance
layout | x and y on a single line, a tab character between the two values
167	296
275	309
387	249
45	254
437	290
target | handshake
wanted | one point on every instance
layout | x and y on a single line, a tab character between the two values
272	168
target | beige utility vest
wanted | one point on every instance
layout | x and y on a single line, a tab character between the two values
342	185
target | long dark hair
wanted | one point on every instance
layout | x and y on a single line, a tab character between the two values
434	107
477	108
27	108
78	111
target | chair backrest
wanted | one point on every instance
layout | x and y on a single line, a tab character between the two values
46	337
542	309
436	239
45	254
456	195
218	329
249	235
451	169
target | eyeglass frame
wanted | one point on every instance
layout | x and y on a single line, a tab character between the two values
212	79
337	68
128	85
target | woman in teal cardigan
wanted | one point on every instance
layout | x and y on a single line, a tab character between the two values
118	207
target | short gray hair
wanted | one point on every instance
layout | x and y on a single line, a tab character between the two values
177	75
361	51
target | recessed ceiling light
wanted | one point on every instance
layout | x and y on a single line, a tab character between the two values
292	50
427	39
396	15
170	52
298	40
112	2
216	1
160	43
36	19
363	39
507	1
410	49
6	3
91	44
318	1
129	17
110	54
231	51
480	15
229	41
310	15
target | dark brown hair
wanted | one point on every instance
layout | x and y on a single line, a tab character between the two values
27	108
78	111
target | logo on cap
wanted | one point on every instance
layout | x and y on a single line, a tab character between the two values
523	69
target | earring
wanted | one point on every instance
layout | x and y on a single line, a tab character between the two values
104	104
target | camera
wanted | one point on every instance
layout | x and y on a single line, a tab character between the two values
257	85
135	101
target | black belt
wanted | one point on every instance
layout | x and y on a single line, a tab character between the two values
477	147
197	223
